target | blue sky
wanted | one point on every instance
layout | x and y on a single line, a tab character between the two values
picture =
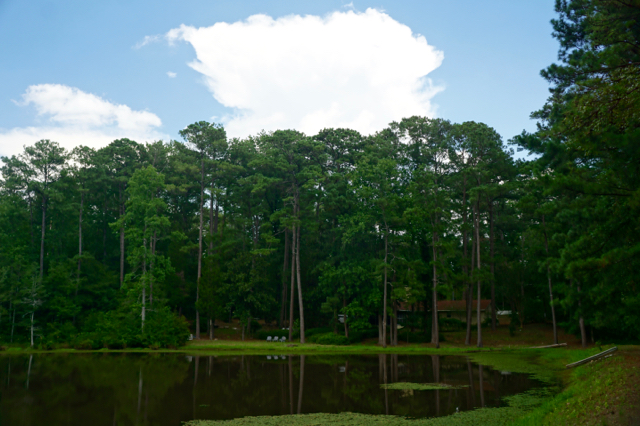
76	70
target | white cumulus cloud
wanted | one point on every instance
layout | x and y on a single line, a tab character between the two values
73	117
172	74
352	69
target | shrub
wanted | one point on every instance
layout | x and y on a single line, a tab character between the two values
83	345
452	324
331	339
45	345
165	328
319	330
360	335
118	330
255	326
60	332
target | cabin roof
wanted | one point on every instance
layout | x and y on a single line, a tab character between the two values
461	305
453	305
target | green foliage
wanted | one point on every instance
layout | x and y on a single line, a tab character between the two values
452	324
331	339
121	329
317	331
357	336
255	326
417	337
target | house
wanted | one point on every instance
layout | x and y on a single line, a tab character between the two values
452	309
458	309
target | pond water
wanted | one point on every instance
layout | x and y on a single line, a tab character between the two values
165	389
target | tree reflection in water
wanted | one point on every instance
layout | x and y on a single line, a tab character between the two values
165	389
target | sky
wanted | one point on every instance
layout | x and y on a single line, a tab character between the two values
81	72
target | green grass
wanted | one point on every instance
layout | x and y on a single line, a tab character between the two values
420	386
598	393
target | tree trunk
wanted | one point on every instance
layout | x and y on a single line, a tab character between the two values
395	323
13	323
467	340
379	329
211	222
44	214
200	247
413	312
32	315
521	313
493	275
435	332
479	313
33	244
293	279
151	265
104	230
384	291
144	279
122	212
344	314
583	332
300	305
79	242
553	309
283	307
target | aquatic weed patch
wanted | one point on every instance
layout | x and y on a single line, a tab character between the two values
533	362
518	405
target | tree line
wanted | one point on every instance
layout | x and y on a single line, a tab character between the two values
133	243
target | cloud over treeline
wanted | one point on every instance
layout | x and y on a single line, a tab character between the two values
359	70
72	117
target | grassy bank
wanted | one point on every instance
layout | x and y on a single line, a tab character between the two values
600	393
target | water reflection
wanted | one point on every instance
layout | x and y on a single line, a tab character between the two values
165	389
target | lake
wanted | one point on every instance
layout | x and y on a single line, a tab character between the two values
167	388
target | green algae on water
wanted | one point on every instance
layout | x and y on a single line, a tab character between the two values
518	405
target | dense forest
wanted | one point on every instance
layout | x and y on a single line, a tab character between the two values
140	244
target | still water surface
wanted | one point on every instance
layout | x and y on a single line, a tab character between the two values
165	389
